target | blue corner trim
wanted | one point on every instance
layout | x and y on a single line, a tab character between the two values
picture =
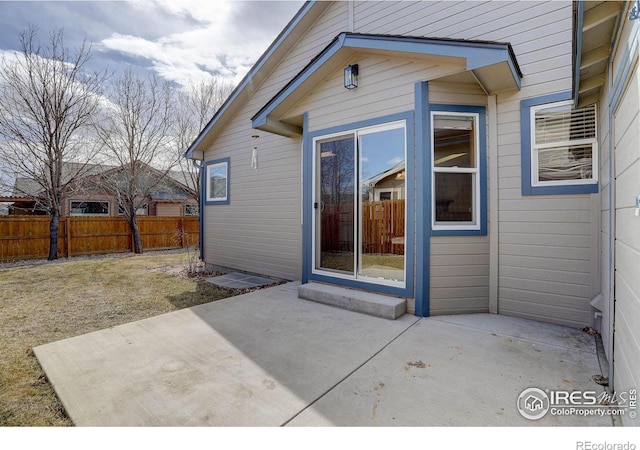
482	173
205	186
578	49
423	196
201	224
307	198
525	142
308	215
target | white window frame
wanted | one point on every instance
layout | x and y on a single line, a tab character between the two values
535	148
72	213
195	210
355	134
475	223
215	165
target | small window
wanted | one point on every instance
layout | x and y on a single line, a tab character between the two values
142	210
89	208
563	145
191	210
455	163
217	182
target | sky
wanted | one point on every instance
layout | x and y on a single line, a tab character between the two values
179	40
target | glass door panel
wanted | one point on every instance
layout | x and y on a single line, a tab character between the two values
335	239
382	204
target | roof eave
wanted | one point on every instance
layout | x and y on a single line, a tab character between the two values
298	25
492	63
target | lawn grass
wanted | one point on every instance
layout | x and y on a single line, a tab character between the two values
53	301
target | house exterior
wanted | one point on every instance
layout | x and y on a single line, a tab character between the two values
170	197
506	133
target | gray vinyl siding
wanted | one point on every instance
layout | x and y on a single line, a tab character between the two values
259	231
376	95
459	275
545	251
626	160
545	258
546	243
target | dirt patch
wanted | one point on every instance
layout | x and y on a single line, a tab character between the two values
50	301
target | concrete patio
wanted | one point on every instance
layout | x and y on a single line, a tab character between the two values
268	358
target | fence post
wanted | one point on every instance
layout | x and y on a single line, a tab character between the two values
182	231
67	224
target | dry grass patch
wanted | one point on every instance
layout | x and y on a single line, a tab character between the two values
53	301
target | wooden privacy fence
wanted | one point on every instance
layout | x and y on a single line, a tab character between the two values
383	226
27	237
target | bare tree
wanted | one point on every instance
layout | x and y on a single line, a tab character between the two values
134	131
47	102
195	106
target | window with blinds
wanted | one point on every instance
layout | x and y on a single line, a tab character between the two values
564	144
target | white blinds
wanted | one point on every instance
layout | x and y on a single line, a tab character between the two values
564	124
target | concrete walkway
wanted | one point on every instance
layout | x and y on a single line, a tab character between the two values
268	358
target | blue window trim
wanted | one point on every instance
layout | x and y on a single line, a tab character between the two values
482	169
307	209
205	187
525	141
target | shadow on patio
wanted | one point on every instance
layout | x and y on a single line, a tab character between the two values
268	359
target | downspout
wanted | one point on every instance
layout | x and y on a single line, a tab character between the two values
612	231
199	165
612	199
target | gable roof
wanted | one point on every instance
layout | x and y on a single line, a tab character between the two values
481	58
493	64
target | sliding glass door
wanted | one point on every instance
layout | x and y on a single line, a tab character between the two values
359	200
335	203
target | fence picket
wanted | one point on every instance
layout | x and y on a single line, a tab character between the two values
27	237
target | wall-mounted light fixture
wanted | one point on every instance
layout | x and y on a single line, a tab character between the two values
351	76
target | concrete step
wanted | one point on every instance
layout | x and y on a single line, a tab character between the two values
366	302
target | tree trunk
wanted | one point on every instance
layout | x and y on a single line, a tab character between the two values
54	226
135	235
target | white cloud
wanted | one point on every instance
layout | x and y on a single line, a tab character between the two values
229	36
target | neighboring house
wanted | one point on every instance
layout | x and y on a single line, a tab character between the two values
514	125
170	197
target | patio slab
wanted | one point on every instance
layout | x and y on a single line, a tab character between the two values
237	280
268	358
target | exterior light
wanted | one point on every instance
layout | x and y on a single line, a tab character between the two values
254	152
351	76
